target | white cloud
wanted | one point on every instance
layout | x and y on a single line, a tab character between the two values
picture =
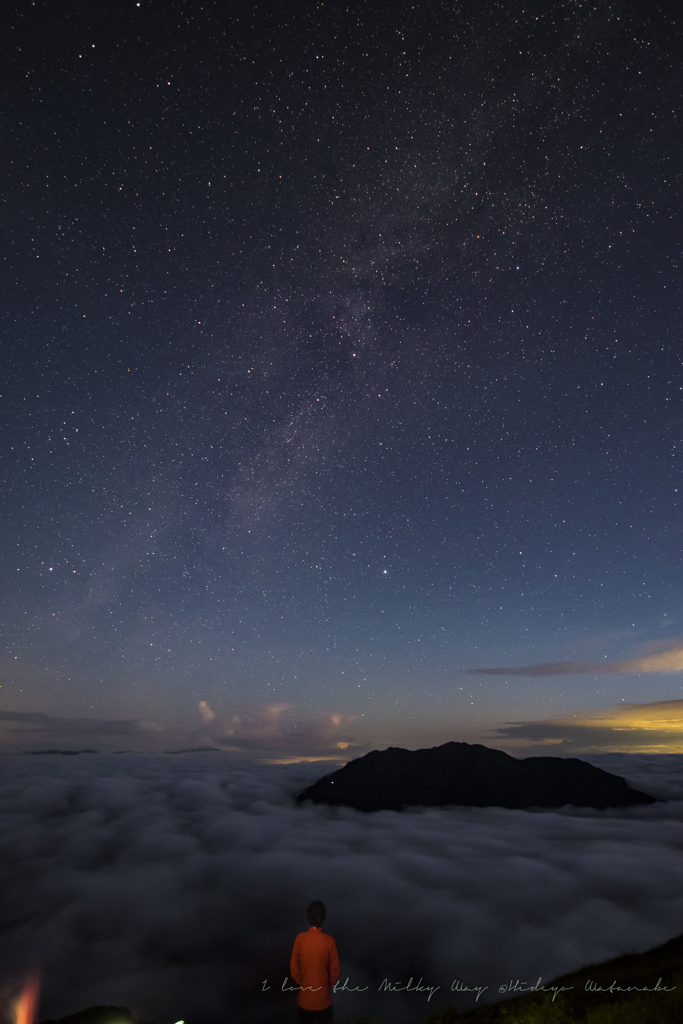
205	711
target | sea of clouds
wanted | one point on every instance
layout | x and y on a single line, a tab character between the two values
175	885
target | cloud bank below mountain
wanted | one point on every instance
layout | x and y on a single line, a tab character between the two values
176	886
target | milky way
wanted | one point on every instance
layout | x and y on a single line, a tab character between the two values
341	357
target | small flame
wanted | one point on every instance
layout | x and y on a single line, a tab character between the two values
27	1004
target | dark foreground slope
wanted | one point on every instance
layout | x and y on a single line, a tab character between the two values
640	988
470	775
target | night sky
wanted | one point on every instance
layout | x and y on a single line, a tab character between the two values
341	358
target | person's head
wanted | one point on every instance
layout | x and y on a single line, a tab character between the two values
316	914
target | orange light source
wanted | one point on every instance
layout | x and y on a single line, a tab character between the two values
27	1004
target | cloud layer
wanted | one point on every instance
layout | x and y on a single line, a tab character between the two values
653	728
276	731
176	885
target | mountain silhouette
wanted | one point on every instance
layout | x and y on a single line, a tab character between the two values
469	775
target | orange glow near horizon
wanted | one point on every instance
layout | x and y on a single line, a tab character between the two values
27	1004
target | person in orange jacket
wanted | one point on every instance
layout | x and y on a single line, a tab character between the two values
315	969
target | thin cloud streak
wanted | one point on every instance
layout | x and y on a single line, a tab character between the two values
37	726
665	661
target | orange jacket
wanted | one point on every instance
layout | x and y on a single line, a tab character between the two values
315	968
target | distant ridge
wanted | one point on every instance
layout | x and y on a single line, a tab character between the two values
67	752
194	750
469	775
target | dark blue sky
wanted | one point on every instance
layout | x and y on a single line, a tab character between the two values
342	356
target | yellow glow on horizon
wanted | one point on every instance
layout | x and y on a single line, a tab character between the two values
613	730
299	760
663	716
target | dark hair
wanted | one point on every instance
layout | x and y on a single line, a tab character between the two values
316	914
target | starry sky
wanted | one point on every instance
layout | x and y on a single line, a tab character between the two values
342	395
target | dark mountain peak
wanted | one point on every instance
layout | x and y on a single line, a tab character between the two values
470	775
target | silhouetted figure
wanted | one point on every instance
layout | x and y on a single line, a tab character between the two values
315	969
